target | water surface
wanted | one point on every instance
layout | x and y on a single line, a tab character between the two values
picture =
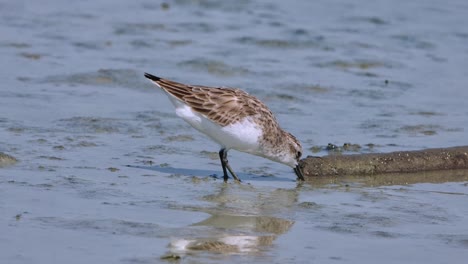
107	172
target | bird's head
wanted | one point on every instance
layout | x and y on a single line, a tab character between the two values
290	154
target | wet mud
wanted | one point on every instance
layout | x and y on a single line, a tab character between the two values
6	160
101	170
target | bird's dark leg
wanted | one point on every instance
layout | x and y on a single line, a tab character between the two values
225	164
232	172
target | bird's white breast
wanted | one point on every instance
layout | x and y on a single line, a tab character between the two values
242	136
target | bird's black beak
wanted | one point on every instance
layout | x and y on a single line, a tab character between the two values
298	172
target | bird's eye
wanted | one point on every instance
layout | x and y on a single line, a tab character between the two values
298	155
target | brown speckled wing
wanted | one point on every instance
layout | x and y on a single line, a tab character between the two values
223	106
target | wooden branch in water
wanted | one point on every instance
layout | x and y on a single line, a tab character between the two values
381	163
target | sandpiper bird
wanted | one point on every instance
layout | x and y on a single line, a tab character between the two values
235	120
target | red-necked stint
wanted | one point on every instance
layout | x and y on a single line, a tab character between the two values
235	120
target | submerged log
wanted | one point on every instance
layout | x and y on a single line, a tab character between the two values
381	163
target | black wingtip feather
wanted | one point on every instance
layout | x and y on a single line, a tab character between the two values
152	77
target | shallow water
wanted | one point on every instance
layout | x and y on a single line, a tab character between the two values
107	173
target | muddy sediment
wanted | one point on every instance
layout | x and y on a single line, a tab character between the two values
383	163
6	160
